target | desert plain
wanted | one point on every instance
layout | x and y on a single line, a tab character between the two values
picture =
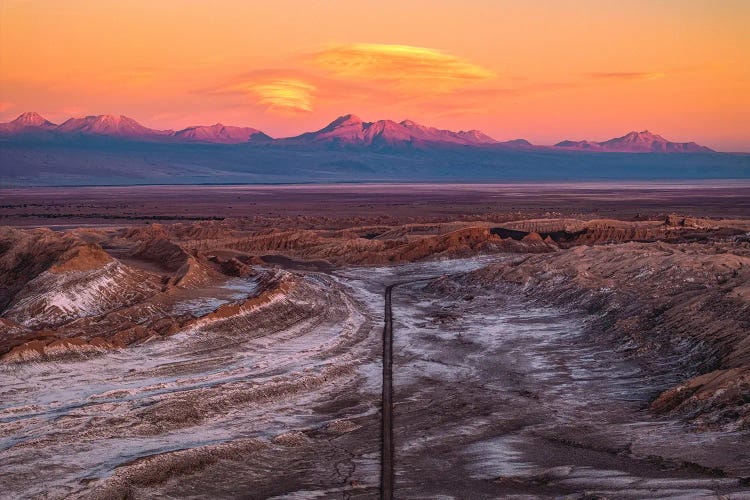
582	340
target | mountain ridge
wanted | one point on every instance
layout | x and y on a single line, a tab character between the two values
636	142
109	125
351	130
221	134
346	131
27	121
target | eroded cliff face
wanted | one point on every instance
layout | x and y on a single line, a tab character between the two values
686	305
288	361
65	294
89	290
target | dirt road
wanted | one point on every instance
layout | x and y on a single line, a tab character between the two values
386	481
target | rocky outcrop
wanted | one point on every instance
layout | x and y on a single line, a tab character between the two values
393	246
132	284
569	233
56	297
24	254
66	296
187	270
41	350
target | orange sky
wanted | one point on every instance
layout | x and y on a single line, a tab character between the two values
545	71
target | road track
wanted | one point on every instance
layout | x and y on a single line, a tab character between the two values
386	470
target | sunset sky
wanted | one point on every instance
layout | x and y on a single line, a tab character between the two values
544	71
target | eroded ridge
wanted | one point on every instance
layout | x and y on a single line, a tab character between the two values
245	371
537	356
499	393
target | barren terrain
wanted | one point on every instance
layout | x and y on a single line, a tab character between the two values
583	340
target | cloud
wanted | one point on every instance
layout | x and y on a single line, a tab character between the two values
280	94
626	75
359	73
405	66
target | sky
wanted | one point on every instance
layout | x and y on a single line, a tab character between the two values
540	70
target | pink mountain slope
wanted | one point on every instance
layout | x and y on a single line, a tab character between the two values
351	130
636	142
221	134
26	122
432	134
110	125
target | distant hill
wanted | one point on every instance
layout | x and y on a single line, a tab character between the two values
350	130
636	142
220	134
26	123
110	125
33	125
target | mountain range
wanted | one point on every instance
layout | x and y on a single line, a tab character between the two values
348	132
117	150
33	125
636	142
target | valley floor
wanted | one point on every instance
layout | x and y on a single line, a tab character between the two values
495	395
344	205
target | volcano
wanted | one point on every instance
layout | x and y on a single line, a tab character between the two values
636	142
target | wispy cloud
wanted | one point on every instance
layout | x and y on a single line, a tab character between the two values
285	95
401	65
627	75
280	94
362	73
